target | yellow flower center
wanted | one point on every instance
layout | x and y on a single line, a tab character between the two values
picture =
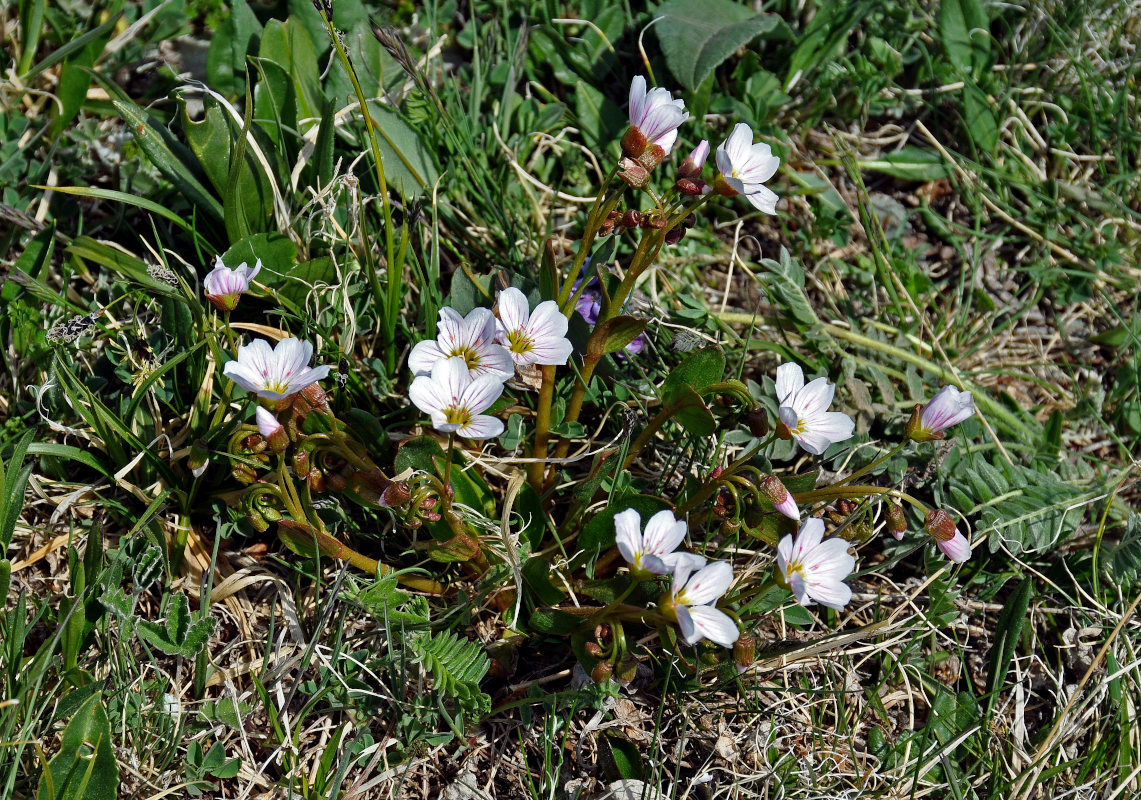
457	416
520	342
281	387
470	356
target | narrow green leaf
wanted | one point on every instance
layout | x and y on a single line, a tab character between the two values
1006	635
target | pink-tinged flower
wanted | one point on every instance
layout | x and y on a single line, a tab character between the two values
946	409
274	373
456	401
813	569
745	167
780	497
654	119
224	286
692	599
532	337
471	338
941	526
652	552
691	167
803	411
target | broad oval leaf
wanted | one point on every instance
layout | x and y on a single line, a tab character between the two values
697	36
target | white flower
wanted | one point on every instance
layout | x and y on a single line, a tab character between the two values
691	167
654	119
274	373
947	408
224	286
745	166
691	601
532	337
814	569
456	401
652	552
803	410
471	338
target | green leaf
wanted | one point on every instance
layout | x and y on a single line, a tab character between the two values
618	332
787	283
289	46
598	535
456	664
85	766
1007	632
699	369
691	412
979	119
536	572
14	476
129	199
88	249
234	38
277	252
909	164
958	20
624	760
408	164
553	622
169	157
697	36
178	634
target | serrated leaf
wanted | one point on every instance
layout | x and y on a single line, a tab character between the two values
697	36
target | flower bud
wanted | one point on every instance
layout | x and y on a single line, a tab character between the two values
896	520
271	430
626	672
257	520
631	218
397	494
744	651
602	672
199	458
758	422
632	173
336	482
782	500
940	525
301	463
690	187
243	474
593	649
691	167
674	235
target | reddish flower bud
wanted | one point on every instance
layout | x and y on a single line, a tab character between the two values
744	651
633	142
896	520
631	218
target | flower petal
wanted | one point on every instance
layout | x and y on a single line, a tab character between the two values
424	356
957	549
708	583
790	380
663	533
482	427
713	624
834	594
678	561
628	535
514	309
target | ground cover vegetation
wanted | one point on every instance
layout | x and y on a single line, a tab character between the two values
696	399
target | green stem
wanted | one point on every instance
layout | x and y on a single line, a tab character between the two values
537	469
702	494
869	467
857	491
374	145
448	467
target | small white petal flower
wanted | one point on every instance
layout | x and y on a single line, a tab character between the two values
814	569
456	401
946	409
274	373
224	286
652	552
532	337
471	338
691	166
656	115
744	168
803	410
692	600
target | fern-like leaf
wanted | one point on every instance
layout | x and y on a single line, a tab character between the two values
456	665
